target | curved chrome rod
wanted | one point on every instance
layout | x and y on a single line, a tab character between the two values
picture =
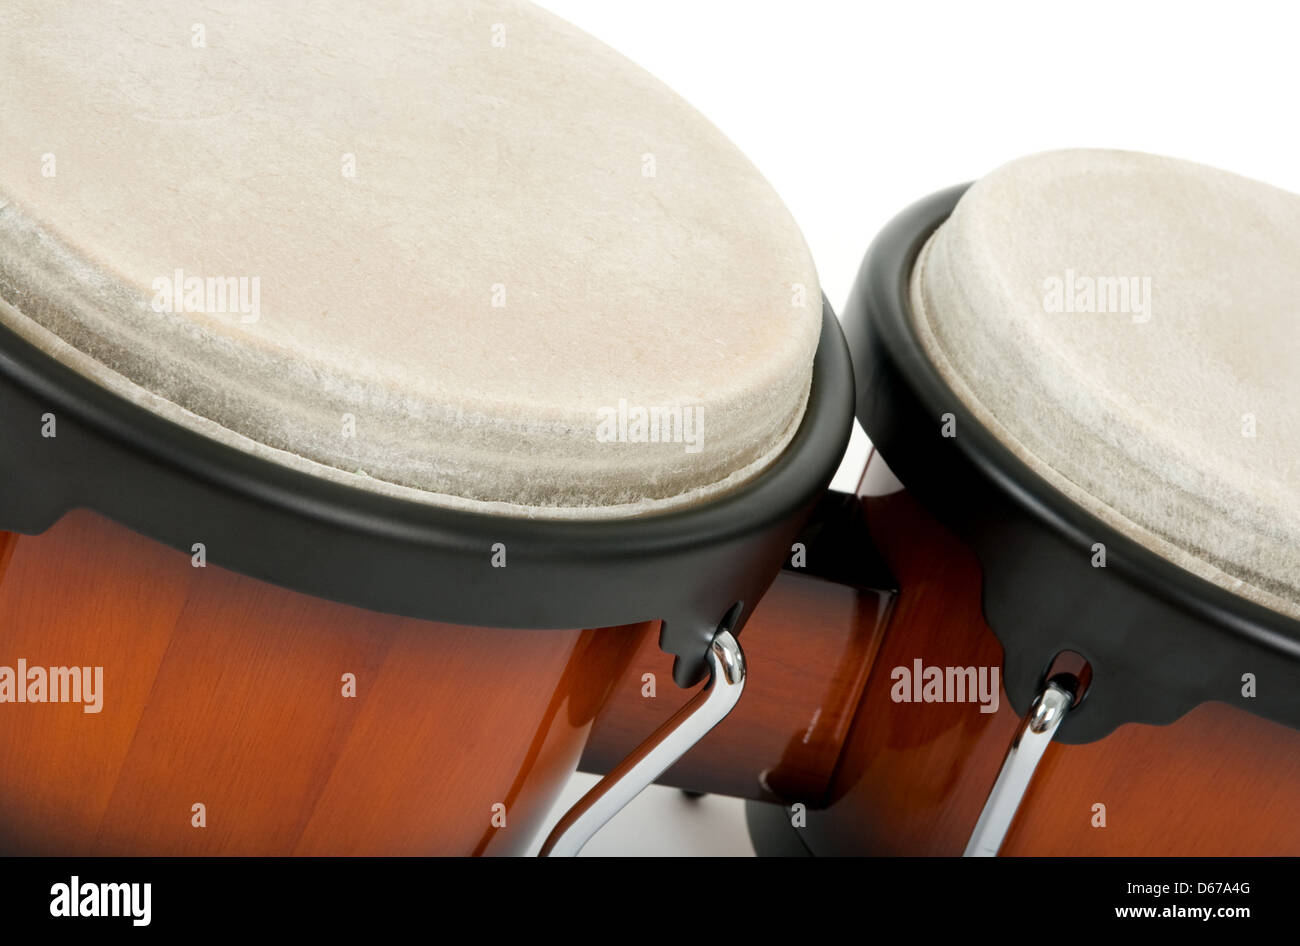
665	746
1035	732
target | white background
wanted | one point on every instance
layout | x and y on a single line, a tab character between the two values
852	110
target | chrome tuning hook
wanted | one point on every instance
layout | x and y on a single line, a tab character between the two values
653	757
1018	768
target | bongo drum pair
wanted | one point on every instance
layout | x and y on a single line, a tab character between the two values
401	405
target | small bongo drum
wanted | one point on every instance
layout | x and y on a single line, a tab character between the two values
373	386
1082	372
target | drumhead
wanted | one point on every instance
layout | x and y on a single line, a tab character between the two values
1126	325
461	254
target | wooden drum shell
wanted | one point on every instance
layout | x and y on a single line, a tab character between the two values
228	692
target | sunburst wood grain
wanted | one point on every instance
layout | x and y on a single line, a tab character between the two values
227	692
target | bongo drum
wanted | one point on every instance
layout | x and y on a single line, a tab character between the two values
373	387
1081	371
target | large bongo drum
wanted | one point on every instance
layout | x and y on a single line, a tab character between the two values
372	389
1082	373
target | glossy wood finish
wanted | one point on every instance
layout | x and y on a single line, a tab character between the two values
808	646
226	691
913	777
